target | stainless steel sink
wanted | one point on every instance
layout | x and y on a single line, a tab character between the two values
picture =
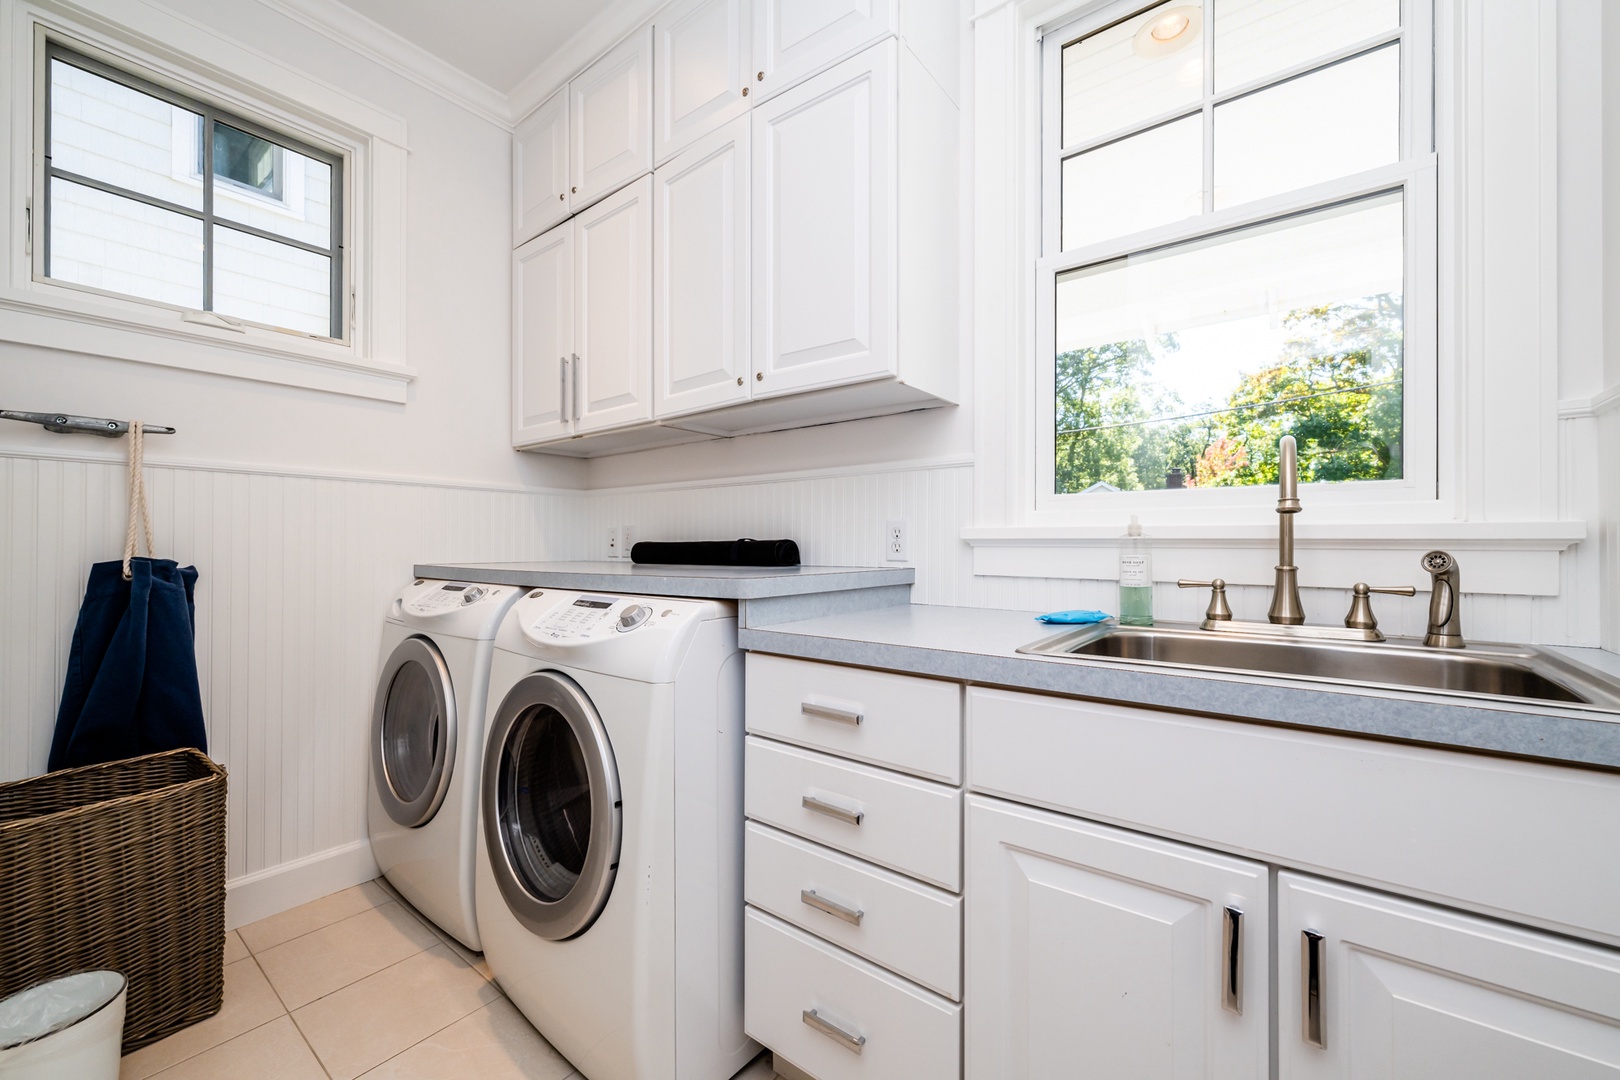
1520	672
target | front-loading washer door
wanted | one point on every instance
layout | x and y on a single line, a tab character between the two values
551	812
413	732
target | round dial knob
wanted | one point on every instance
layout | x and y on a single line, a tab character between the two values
472	596
633	616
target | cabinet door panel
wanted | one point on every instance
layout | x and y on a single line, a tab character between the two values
823	180
611	121
613	323
701	63
1093	951
700	276
542	335
1409	991
795	38
540	169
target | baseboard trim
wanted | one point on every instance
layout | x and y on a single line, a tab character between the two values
271	891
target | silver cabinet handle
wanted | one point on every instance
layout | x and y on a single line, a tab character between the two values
1232	951
839	713
852	916
1310	960
573	386
565	398
852	1043
832	810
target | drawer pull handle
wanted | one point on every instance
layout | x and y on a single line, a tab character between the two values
1310	958
832	810
852	1043
852	717
838	911
1232	952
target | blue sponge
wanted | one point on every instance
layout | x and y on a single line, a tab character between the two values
1074	617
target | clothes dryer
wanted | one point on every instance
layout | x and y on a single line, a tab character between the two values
426	744
609	882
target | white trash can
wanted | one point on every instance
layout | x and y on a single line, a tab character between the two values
68	1028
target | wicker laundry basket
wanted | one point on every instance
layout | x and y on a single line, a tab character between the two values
119	866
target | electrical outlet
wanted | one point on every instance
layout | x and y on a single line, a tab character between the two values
894	541
627	540
615	543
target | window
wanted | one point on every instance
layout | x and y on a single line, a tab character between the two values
153	195
1238	242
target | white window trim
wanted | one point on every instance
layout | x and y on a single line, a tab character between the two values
201	63
1507	374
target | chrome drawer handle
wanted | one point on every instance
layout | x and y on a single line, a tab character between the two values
838	911
832	810
842	715
852	1043
1232	951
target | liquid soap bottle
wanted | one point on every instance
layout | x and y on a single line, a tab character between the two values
1135	577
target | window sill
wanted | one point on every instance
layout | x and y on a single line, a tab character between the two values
164	337
1519	558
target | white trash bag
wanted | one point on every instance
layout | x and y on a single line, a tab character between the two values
70	1028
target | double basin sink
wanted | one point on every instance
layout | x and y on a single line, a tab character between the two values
1513	672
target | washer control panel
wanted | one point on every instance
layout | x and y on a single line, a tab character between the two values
446	596
550	616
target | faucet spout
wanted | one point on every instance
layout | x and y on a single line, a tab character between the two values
1285	605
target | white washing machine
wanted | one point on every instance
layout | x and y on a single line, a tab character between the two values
609	884
426	747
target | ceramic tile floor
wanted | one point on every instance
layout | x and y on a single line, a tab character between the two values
357	984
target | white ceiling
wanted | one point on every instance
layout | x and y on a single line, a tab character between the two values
497	42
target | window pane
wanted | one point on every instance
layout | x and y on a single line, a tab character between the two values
1196	359
1134	184
1330	123
109	132
271	187
1255	38
124	246
265	282
1141	68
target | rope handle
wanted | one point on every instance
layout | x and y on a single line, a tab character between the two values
137	497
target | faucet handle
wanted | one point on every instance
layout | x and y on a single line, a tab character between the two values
1361	615
1218	610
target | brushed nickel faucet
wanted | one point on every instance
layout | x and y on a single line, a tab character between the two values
1285	606
1445	603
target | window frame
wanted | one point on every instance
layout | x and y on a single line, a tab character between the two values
55	50
1415	175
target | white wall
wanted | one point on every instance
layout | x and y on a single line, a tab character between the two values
302	510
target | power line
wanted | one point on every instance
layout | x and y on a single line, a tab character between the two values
1234	408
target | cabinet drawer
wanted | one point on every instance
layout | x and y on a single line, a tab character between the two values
904	823
898	721
908	927
793	981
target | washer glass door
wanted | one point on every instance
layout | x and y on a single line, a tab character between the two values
413	732
551	806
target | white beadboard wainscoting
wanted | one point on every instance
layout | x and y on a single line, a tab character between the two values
294	575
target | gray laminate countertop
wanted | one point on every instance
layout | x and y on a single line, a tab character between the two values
979	646
701	582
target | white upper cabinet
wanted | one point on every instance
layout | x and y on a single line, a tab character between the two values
793	38
612	316
1093	951
700	276
1402	989
701	57
542	336
540	169
610	121
824	170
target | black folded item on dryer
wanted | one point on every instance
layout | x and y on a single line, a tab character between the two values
718	553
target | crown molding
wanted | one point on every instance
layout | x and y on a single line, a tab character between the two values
574	55
376	42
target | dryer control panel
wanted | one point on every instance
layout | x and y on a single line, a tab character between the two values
576	618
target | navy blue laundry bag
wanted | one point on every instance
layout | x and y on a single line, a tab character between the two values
131	685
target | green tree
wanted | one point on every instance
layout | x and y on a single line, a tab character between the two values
1102	394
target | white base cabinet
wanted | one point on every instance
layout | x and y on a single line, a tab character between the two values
1390	989
1093	951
